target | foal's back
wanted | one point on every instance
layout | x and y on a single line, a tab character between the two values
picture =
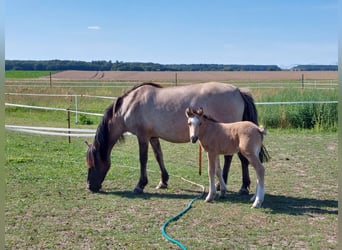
230	138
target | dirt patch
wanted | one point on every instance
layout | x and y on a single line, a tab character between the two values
190	76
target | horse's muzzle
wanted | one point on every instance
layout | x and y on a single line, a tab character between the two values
194	139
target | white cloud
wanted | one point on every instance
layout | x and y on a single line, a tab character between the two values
94	27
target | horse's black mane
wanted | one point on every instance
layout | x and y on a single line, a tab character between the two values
102	133
120	98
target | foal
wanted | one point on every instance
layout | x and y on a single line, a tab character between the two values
228	138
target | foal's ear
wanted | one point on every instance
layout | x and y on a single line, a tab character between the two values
188	112
200	111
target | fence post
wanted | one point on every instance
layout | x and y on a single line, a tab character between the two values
176	78
69	125
50	80
302	81
76	108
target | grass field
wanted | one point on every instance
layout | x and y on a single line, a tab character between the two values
48	206
18	74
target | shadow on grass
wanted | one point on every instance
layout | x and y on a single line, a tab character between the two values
275	204
147	195
281	204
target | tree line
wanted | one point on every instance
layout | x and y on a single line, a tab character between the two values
60	65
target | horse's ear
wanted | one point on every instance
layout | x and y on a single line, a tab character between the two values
86	142
200	111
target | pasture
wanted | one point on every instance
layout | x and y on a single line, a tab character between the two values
48	206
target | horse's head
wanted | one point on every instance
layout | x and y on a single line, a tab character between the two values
97	168
194	121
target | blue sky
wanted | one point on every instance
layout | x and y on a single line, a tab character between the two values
174	31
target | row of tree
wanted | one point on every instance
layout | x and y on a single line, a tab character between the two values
59	65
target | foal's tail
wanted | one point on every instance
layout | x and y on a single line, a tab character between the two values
263	155
250	113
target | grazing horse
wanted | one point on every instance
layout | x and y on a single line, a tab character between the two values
228	138
150	112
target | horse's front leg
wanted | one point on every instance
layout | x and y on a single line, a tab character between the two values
158	153
143	155
211	173
218	172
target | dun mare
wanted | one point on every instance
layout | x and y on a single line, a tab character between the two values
228	138
150	112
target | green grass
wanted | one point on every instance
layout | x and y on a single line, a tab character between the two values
26	73
321	117
48	206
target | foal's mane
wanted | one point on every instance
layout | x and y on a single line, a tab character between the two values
120	98
209	118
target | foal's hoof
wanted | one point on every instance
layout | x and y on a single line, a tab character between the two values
138	190
161	186
257	204
243	191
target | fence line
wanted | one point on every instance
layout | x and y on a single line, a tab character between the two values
61	95
49	108
97	114
49	131
91	132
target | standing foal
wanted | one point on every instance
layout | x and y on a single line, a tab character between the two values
228	138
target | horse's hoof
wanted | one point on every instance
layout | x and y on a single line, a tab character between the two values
243	191
161	186
138	190
222	195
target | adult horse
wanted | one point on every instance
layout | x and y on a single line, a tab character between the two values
151	112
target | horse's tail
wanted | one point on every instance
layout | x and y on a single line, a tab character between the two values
250	113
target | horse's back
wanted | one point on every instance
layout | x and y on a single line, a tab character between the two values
161	110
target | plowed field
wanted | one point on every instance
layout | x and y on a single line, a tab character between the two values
190	76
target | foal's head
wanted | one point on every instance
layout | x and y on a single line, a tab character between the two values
194	121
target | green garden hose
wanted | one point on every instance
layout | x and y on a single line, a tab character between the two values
177	216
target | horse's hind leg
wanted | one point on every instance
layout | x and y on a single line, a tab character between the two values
246	181
158	153
143	155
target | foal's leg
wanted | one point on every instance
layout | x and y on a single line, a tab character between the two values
225	172
218	172
246	181
259	195
143	154
211	174
159	157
